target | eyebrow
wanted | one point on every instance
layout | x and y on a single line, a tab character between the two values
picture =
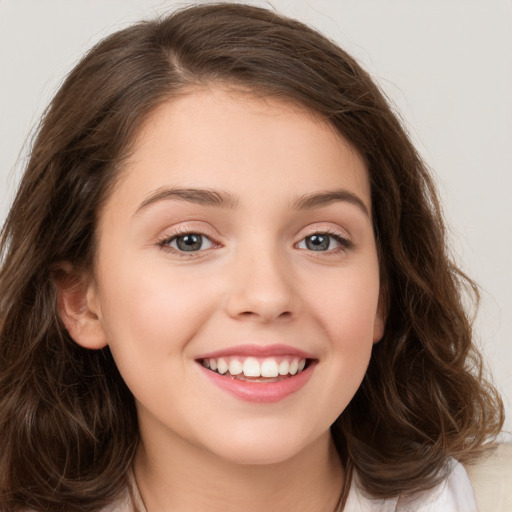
220	199
206	197
319	199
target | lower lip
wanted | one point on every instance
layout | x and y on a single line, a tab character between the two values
260	392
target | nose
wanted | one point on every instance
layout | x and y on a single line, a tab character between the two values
262	288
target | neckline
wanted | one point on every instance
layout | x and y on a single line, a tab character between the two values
137	503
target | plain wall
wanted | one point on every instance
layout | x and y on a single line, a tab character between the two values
445	64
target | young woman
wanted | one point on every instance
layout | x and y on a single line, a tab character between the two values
225	286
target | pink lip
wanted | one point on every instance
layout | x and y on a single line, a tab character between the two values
257	351
260	392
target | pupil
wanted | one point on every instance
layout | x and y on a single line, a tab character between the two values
317	242
189	242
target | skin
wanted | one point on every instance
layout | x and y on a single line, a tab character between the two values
255	280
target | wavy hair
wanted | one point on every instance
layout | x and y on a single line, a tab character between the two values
68	426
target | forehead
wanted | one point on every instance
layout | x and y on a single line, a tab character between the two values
223	137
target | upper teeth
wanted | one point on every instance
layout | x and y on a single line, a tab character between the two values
253	367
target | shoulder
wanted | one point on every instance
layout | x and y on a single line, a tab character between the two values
453	494
491	479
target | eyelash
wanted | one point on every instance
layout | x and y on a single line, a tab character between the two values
344	243
165	242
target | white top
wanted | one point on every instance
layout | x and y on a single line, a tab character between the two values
454	494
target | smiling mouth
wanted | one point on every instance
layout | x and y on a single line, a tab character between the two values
253	369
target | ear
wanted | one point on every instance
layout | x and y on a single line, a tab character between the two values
379	324
79	308
378	327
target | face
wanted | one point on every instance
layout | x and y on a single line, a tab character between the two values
238	242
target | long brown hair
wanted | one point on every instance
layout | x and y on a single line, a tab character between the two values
68	427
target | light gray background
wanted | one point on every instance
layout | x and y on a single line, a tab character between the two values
445	64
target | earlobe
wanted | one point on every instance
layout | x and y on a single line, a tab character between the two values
379	324
378	327
79	308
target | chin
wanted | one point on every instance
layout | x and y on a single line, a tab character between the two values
263	447
253	458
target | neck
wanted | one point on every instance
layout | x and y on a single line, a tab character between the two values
178	476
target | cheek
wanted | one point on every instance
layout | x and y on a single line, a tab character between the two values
152	310
150	319
346	304
346	309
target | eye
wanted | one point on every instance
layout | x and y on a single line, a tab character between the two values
188	242
322	242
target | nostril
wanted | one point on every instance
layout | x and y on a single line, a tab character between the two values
284	315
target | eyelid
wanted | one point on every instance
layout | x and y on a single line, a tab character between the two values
339	234
187	229
174	239
326	229
203	229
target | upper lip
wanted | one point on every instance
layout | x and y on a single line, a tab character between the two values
258	351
